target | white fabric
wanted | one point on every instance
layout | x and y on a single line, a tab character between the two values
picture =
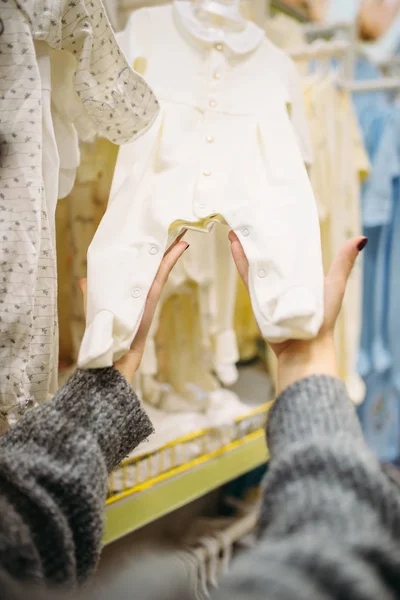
67	142
99	93
60	144
223	144
240	42
223	409
209	265
113	13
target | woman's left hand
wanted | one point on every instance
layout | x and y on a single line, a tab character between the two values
129	364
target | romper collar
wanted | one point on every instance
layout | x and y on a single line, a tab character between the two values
240	42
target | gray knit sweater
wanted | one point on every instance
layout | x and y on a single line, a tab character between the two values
330	519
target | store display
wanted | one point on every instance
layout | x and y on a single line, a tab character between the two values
182	438
166	163
95	92
291	143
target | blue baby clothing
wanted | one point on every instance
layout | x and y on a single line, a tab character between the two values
393	313
376	211
379	358
379	416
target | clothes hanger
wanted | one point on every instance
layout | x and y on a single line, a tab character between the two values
219	13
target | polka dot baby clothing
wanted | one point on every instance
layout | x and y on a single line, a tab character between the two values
97	92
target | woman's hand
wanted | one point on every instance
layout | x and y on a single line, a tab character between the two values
129	364
301	358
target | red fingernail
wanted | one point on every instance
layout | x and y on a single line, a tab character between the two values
187	246
362	244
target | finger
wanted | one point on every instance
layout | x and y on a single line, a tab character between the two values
343	264
83	287
82	284
170	259
242	264
336	280
232	236
176	241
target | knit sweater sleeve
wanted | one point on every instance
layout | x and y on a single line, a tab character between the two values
53	476
330	518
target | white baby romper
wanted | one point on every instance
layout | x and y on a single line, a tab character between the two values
222	145
209	263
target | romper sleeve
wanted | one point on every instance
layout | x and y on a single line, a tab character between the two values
298	113
99	91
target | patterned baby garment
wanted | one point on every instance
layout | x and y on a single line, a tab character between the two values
98	93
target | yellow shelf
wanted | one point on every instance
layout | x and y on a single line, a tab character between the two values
157	497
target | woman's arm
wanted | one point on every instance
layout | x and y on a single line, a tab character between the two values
53	475
54	463
330	518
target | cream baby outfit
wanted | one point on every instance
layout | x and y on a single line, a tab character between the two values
97	93
223	145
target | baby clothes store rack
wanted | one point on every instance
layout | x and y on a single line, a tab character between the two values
235	443
374	84
225	441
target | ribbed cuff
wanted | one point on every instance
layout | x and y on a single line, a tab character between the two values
312	407
104	403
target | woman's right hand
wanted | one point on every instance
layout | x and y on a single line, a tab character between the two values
301	358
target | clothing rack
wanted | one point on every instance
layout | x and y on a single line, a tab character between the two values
375	85
290	11
268	7
393	62
391	68
233	529
321	49
341	30
324	30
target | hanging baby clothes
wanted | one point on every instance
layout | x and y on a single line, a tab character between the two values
178	377
86	206
223	145
198	331
353	167
78	216
186	329
339	167
99	93
379	353
379	414
375	115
